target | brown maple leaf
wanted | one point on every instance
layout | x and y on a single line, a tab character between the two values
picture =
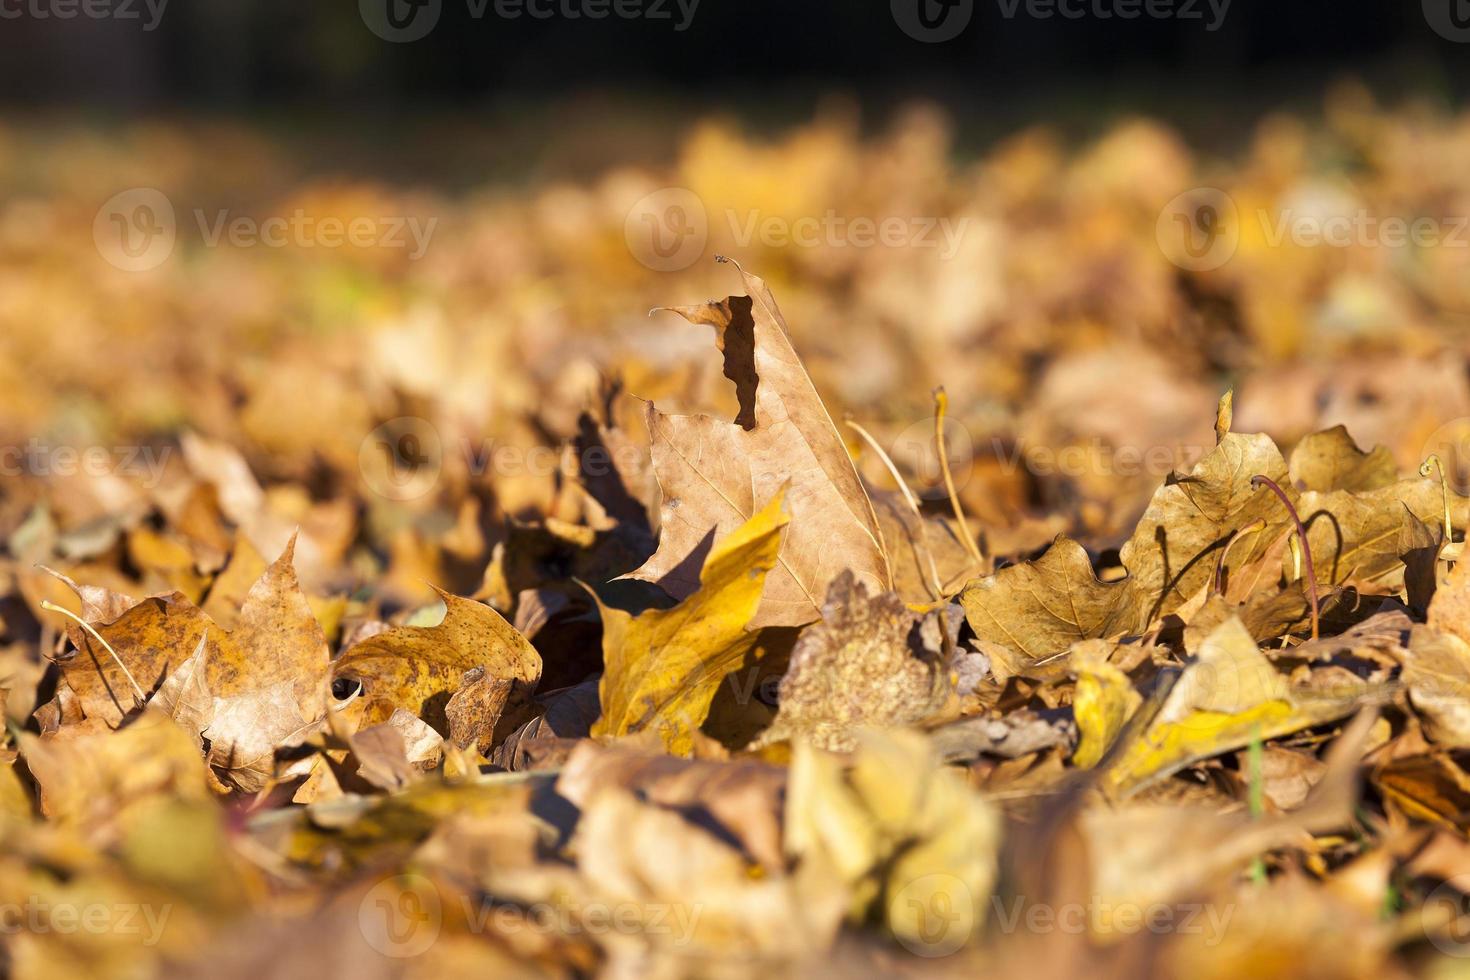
715	475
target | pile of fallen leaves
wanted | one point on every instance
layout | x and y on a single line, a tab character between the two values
766	717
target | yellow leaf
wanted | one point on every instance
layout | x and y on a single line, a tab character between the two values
1230	695
663	668
1102	703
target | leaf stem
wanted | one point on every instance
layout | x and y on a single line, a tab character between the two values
1257	482
941	403
934	586
1254	527
137	691
1434	462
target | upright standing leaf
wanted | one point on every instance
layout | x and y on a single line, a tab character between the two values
714	475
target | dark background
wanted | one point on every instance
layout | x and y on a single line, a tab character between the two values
315	63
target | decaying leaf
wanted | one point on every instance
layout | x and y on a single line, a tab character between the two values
1042	607
1227	697
1172	553
1103	702
912	842
664	666
872	662
715	475
419	668
1330	460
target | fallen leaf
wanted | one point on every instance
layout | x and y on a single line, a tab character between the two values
419	668
1171	554
872	662
664	665
714	475
1042	607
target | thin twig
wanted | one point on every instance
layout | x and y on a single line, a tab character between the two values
934	586
1444	493
1254	527
1257	482
137	691
941	402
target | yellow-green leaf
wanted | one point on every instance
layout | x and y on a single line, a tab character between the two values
663	667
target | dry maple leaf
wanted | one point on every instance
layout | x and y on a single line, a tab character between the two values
185	696
663	667
714	475
1356	536
419	668
743	796
1171	555
1330	460
872	662
276	638
1229	695
666	869
1042	607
